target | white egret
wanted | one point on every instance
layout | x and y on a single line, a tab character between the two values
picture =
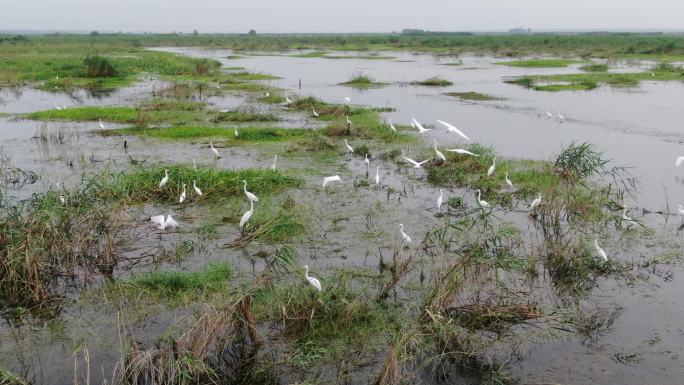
679	161
311	280
328	179
440	156
680	210
549	114
215	151
377	174
268	94
536	202
483	204
413	124
491	168
314	111
165	179
462	151
561	117
223	110
452	128
250	196
406	240
182	196
653	75
62	200
347	100
58	107
101	125
247	214
275	159
600	251
349	122
287	99
236	132
349	148
197	189
624	214
194	164
440	199
367	162
392	126
414	163
508	181
164	222
421	129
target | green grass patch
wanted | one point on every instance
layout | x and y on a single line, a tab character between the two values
124	115
472	95
595	67
245	134
363	82
539	63
241	117
432	82
310	54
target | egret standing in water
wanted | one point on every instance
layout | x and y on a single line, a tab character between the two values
311	280
182	196
367	162
287	99
600	251
250	196
247	214
549	114
377	174
406	240
491	168
452	128
164	222
349	148
536	202
275	159
414	163
101	125
439	154
215	151
314	111
197	189
440	199
561	117
679	161
165	179
328	179
483	204
508	181
680	210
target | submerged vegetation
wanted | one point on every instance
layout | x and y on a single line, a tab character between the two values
540	63
433	82
472	95
363	82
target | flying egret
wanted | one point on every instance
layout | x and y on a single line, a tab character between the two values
197	189
421	129
452	128
194	164
462	151
101	125
406	240
247	214
275	159
328	179
440	156
377	174
347	100
508	181
561	117
483	204
314	111
62	200
536	202
440	199
182	196
311	280
549	114
413	124
287	99
164	222
600	251
681	210
215	151
491	168
679	161
349	148
367	162
250	196
165	179
414	163
392	126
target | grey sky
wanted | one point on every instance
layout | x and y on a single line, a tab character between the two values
338	16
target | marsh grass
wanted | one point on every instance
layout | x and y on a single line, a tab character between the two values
150	114
363	82
226	134
594	67
435	81
471	95
540	63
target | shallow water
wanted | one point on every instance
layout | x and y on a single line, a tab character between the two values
355	226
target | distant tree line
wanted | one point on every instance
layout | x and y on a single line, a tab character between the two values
13	39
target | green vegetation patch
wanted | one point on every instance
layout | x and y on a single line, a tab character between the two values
432	82
124	115
310	54
539	63
245	134
241	117
595	67
363	82
472	95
